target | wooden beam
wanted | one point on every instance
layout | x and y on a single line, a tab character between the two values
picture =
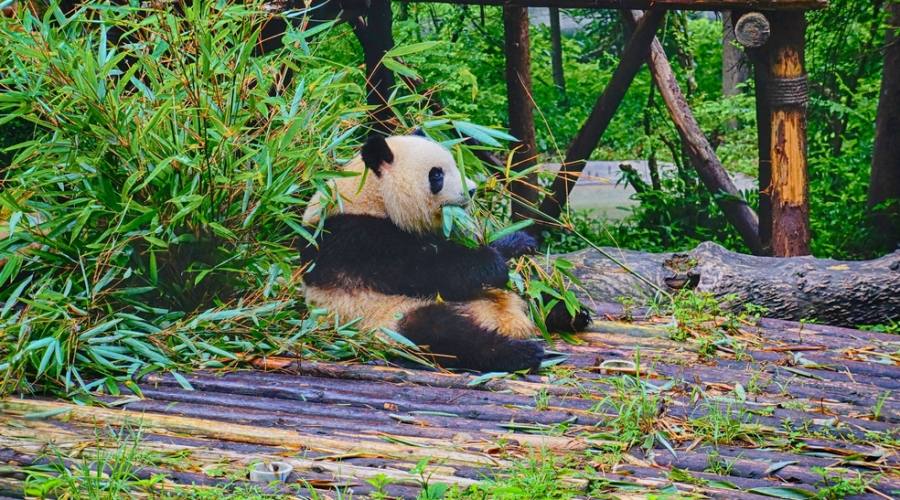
649	4
585	142
520	108
752	29
786	87
698	148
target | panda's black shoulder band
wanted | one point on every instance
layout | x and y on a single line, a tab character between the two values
371	252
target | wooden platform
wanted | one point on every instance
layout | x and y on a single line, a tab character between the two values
742	421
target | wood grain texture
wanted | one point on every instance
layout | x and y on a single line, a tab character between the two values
797	288
789	188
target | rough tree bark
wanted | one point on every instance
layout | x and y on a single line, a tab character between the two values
763	142
884	185
797	288
735	67
520	109
375	34
788	94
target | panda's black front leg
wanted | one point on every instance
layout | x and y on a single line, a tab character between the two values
455	341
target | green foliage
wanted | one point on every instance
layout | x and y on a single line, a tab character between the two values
100	474
154	216
154	211
844	66
725	425
636	413
837	486
539	476
844	61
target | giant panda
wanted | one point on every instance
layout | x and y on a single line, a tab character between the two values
381	257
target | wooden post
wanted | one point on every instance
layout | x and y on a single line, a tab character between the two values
636	51
787	93
520	109
760	62
375	35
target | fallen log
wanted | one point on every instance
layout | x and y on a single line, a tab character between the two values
797	288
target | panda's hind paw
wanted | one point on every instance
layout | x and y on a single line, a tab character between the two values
559	319
515	355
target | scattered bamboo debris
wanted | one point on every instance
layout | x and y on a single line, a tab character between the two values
793	402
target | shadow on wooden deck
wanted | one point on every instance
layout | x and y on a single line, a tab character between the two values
799	397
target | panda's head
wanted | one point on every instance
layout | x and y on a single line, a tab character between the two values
408	179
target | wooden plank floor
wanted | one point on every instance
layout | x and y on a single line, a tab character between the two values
795	399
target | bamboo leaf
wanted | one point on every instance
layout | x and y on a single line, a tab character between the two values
14	296
413	48
481	379
400	339
786	492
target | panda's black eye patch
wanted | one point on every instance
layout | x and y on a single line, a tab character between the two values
436	179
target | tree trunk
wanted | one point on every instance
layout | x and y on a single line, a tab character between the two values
735	68
884	187
764	146
787	90
520	109
556	54
797	288
376	37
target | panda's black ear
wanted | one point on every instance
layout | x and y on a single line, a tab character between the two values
419	132
375	153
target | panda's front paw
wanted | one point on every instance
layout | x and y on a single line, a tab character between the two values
515	245
516	355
